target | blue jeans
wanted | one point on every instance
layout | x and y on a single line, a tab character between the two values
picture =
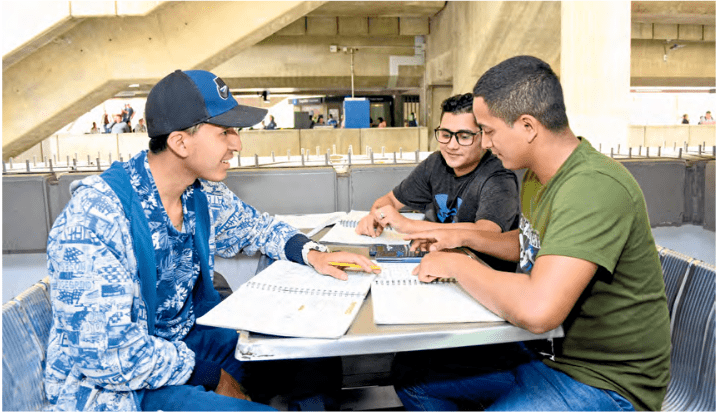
310	384
195	398
450	380
214	350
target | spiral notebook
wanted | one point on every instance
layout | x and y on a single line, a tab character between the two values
315	222
344	232
288	299
400	298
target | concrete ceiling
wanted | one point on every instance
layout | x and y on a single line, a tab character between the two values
100	57
379	8
85	59
674	12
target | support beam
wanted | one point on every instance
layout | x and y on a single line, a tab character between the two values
500	30
595	64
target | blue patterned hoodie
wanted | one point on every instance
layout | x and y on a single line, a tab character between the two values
100	354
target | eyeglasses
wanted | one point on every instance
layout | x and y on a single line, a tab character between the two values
463	137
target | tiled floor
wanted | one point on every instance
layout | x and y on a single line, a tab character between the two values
694	241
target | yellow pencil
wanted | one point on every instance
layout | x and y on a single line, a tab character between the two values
350	266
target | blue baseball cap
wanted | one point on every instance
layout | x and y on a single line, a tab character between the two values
185	98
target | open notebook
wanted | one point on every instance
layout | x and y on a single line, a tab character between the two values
344	232
314	221
288	299
400	298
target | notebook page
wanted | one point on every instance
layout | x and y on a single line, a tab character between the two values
311	221
344	232
288	299
400	298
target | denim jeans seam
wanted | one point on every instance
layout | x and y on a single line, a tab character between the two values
611	394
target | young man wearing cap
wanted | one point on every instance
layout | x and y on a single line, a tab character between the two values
131	260
461	186
588	263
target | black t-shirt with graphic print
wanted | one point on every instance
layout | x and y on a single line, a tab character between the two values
488	192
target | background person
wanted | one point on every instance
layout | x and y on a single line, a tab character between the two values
271	124
412	122
331	121
106	126
141	127
94	129
119	126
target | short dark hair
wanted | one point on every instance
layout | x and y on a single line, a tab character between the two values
458	104
158	144
524	85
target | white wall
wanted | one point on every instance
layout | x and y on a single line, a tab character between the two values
660	109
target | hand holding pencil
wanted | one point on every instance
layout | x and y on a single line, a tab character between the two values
351	266
334	264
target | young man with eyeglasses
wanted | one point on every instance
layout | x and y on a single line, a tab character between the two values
588	262
462	186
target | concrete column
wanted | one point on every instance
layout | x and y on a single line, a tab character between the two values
398	109
595	64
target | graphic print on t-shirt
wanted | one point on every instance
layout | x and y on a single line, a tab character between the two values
529	244
445	211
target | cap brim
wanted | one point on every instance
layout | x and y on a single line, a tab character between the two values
239	116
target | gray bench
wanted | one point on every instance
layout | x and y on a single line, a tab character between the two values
690	289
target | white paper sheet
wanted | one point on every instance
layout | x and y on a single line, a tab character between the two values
288	299
311	221
344	232
400	298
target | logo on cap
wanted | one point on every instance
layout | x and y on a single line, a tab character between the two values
222	88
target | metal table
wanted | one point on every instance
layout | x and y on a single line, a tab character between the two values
365	337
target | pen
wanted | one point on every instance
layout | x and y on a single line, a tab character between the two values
350	266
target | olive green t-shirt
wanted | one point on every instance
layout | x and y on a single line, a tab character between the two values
617	335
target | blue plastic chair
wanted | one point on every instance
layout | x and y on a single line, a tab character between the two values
675	267
36	303
692	384
22	362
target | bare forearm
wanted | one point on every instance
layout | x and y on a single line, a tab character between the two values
385	200
415	226
538	302
503	246
509	295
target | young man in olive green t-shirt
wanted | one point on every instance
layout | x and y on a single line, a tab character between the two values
587	258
